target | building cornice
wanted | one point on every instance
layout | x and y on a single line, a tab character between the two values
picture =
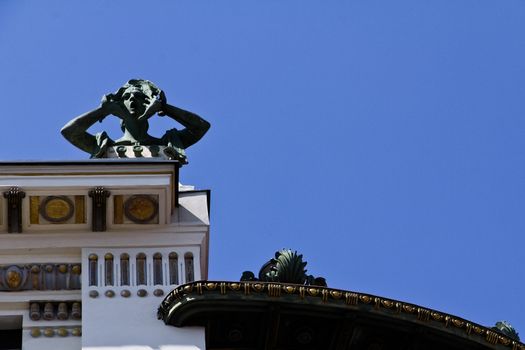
192	303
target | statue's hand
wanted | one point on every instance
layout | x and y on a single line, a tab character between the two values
156	105
110	106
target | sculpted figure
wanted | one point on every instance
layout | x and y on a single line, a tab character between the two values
134	103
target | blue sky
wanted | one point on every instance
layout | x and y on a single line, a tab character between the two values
385	140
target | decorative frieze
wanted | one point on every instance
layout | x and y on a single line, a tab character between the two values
14	209
57	210
99	197
126	293
56	331
51	310
136	209
40	277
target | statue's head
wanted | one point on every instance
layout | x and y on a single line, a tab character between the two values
136	95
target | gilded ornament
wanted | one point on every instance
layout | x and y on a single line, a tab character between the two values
76	269
504	341
141	209
57	209
109	293
93	294
76	311
34	311
336	294
35	332
235	286
62	313
351	298
423	314
62	332
211	286
142	293
49	332
62	268
158	292
80	211
289	289
387	303
274	290
49	311
313	292
492	337
223	288
457	323
13	277
365	299
34	203
77	332
325	293
477	329
409	309
436	316
125	293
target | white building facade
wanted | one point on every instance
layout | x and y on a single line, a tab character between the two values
89	249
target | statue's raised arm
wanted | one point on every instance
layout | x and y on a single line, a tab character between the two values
134	103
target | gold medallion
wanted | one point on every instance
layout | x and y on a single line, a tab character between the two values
56	209
141	209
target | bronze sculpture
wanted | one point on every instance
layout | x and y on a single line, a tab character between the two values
134	103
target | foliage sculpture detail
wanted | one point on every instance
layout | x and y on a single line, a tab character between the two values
506	328
134	103
287	267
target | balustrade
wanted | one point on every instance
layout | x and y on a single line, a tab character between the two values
129	269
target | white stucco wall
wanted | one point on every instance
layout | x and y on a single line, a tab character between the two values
131	323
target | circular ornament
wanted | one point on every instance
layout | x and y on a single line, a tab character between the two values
140	209
62	332
14	277
56	209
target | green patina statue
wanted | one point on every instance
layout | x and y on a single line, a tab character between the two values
506	328
287	267
134	103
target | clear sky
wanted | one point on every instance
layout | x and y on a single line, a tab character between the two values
383	139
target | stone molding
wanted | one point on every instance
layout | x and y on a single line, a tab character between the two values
55	310
43	277
177	306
